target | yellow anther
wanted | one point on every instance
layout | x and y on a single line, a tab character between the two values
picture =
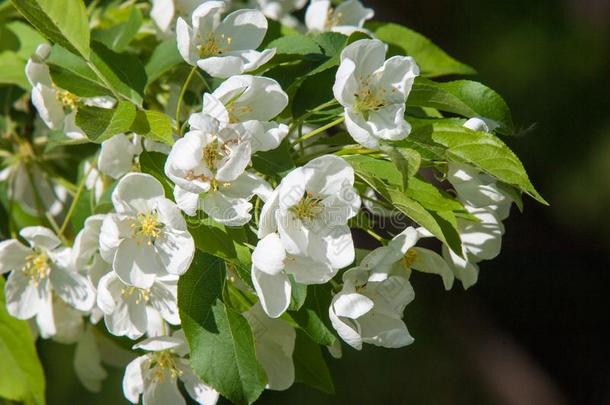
147	225
67	99
308	208
210	46
410	257
143	294
164	363
37	267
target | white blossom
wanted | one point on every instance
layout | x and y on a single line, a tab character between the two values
57	107
369	309
147	237
226	47
280	10
251	102
208	166
271	267
165	12
274	341
131	311
310	209
155	375
374	91
347	17
43	283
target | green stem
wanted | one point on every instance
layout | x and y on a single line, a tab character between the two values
376	236
318	130
79	191
185	85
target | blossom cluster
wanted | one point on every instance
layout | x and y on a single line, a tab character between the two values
119	267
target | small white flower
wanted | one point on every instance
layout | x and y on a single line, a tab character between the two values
347	17
208	166
42	281
367	311
374	91
310	209
252	101
223	48
94	180
165	12
57	107
155	375
132	311
271	267
274	344
280	10
147	237
29	185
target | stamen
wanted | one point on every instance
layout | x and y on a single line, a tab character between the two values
143	293
37	267
162	362
147	226
308	208
67	99
410	257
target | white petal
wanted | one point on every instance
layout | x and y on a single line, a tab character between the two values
352	13
188	202
39	236
269	254
428	261
306	270
164	391
137	264
162	13
163	298
184	39
133	381
227	211
385	331
134	191
352	305
73	288
23	298
116	156
114	229
316	15
347	329
196	388
49	108
214	107
246	28
359	130
13	255
88	362
222	66
273	291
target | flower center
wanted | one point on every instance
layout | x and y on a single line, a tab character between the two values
67	99
148	226
333	18
410	257
164	363
37	267
143	294
210	46
308	208
236	111
212	154
367	99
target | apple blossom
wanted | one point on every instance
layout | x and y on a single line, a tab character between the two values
310	209
347	17
147	236
223	48
43	283
373	91
155	375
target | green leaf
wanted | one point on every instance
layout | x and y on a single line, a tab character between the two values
71	72
295	45
298	295
153	163
22	375
463	97
100	124
123	72
220	339
313	91
154	125
27	38
62	21
488	153
432	60
406	160
312	318
274	162
13	70
119	36
310	366
163	59
384	178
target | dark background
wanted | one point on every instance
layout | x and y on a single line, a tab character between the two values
533	329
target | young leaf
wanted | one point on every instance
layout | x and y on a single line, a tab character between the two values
22	375
312	318
100	124
27	38
463	97
154	125
310	366
221	342
295	45
123	72
164	57
119	36
12	71
432	60
62	21
488	153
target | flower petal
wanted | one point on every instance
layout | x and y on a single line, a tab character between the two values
134	191
273	291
